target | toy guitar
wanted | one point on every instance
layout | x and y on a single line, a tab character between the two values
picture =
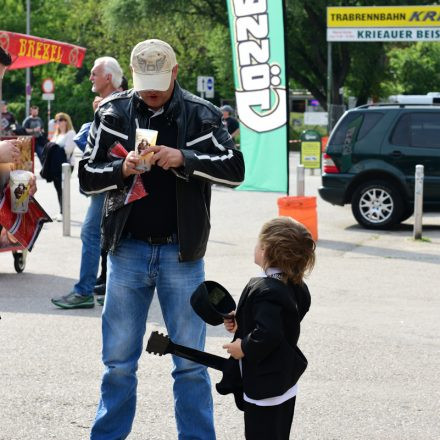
161	344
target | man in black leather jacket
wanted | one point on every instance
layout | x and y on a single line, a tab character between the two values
158	241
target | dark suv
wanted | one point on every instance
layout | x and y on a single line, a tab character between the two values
371	157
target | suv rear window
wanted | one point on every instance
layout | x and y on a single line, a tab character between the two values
369	120
419	129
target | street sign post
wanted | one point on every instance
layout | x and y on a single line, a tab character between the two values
205	85
48	87
209	93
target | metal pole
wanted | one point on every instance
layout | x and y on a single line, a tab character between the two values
28	69
66	198
418	202
329	86
48	117
300	185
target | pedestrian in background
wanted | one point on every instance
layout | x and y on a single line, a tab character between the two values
106	77
158	241
7	125
34	126
232	124
56	152
267	321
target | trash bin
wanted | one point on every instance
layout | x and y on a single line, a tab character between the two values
302	209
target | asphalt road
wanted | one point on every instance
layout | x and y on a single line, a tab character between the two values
371	336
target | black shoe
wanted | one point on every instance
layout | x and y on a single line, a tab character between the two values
99	289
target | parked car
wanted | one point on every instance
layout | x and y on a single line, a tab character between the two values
371	157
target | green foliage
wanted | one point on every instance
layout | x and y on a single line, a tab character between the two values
198	30
363	81
415	70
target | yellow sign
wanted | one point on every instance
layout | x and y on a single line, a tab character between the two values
40	50
383	16
311	154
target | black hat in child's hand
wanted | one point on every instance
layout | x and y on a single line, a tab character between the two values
212	302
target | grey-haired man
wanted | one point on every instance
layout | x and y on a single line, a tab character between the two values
106	76
158	241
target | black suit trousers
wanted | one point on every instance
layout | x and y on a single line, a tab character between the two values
268	422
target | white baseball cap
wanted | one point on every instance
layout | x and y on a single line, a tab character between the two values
152	62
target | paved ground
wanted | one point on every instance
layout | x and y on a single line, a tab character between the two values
371	337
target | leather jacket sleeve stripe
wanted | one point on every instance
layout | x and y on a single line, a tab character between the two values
216	179
100	191
99	170
95	142
114	132
202	159
204	138
213	158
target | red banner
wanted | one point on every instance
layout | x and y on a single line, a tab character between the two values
25	228
28	51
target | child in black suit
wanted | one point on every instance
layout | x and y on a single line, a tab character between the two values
265	361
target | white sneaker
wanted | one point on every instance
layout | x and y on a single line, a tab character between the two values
58	218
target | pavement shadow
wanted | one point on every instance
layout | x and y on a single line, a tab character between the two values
402	227
343	246
31	293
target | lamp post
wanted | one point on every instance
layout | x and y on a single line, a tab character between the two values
28	69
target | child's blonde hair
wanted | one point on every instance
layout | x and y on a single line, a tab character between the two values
288	246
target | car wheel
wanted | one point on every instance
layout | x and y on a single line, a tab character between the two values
377	205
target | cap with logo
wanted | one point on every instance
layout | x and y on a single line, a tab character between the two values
152	62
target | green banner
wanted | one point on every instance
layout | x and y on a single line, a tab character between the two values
257	36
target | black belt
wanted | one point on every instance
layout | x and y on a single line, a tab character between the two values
153	239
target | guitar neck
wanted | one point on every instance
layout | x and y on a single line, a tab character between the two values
201	357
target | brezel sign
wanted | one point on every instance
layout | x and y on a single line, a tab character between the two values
383	23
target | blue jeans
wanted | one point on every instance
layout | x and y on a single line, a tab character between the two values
134	271
91	246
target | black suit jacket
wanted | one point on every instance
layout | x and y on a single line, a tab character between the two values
268	316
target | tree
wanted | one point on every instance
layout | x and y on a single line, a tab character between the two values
414	70
199	32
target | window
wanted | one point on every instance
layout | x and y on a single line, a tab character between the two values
420	130
370	121
425	130
339	136
366	120
401	133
